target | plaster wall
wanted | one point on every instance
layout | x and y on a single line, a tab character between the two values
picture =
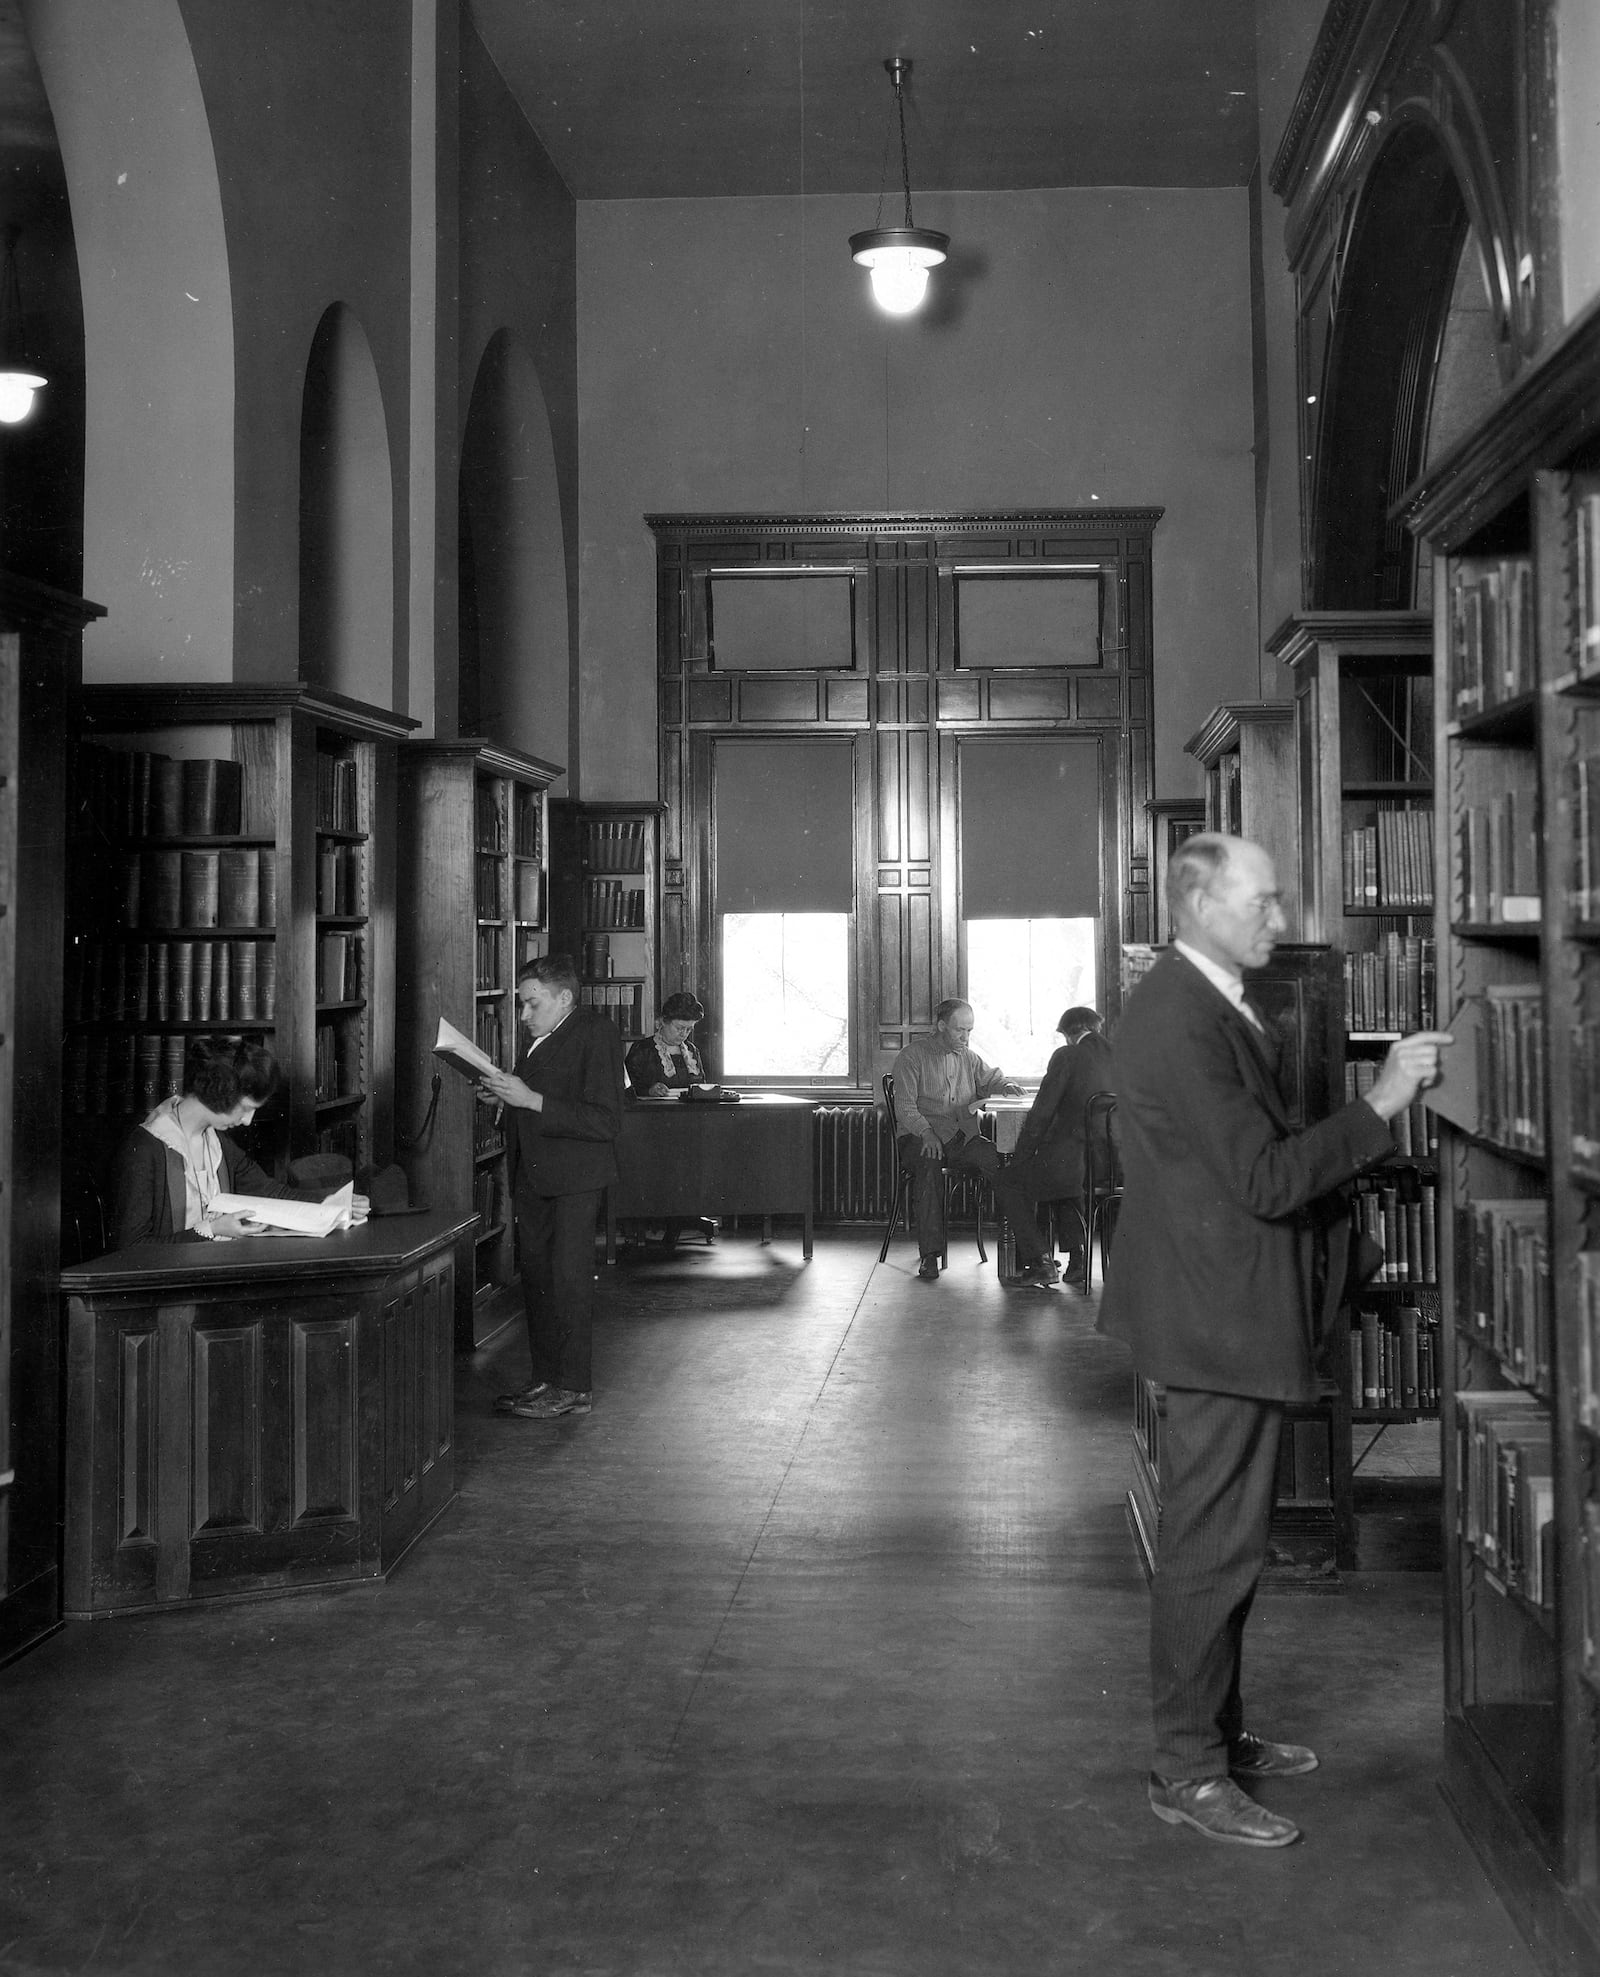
1081	346
1578	137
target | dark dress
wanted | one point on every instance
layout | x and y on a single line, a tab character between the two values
648	1064
147	1189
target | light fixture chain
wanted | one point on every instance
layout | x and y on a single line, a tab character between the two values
905	161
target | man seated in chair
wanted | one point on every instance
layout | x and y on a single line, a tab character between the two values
939	1088
1048	1162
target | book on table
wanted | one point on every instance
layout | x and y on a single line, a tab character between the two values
292	1218
461	1053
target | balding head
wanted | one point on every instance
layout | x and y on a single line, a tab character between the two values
1225	901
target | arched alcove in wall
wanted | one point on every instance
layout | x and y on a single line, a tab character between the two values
158	353
1407	357
515	634
346	518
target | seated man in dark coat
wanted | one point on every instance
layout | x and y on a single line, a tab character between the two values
1048	1161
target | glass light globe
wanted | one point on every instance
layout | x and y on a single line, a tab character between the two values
899	282
16	395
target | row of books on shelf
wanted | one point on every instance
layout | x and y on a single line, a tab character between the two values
487	1137
489	1034
1388	865
339	977
1391	986
1497	861
609	903
342	1136
1505	1506
1585	1091
623	1002
234	887
489	1197
1399	1210
338	1061
487	965
489	805
1416	1130
617	846
1584	565
132	793
1503	1284
1589	1339
1583	896
172	981
1510	1064
1395	1360
338	792
339	878
122	1074
1491	653
527	890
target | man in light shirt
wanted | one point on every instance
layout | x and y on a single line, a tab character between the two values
940	1084
1211	1284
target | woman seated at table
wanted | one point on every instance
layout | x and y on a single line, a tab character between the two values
664	1063
170	1168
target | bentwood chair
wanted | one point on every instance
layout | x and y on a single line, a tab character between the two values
901	1205
1102	1179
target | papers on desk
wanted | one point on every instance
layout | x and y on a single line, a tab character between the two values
292	1218
461	1053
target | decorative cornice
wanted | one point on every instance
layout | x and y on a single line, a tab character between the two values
1331	55
1298	638
1221	730
24	602
1082	521
147	701
493	756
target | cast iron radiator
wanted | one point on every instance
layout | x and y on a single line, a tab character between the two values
853	1167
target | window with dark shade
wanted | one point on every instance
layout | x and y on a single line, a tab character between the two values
1030	828
785	813
1038	617
790	620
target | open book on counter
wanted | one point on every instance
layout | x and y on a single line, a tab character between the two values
292	1218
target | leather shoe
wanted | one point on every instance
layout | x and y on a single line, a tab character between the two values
1250	1756
508	1403
1217	1808
551	1403
928	1269
1040	1275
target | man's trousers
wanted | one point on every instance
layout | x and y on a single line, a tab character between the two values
555	1237
974	1155
1219	1465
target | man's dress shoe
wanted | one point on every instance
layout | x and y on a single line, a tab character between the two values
1250	1756
928	1269
1217	1808
508	1403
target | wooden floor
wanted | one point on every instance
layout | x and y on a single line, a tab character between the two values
817	1647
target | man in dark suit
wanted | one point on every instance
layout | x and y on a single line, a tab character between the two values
1212	1285
1047	1162
564	1112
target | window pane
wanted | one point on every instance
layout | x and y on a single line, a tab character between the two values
801	621
786	995
1021	974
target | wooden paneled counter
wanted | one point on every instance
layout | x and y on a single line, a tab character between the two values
753	1158
257	1416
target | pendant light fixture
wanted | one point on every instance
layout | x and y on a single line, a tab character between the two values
18	379
899	257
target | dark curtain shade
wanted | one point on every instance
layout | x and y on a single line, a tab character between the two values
1042	618
785	822
792	623
1030	829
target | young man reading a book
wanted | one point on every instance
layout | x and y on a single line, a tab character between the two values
563	1114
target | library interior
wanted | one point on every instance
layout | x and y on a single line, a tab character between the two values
484	574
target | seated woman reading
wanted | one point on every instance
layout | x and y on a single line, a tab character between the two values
668	1061
170	1168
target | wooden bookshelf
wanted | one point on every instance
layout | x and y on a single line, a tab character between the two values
606	891
473	908
1172	819
1363	698
1512	516
231	864
1247	751
40	668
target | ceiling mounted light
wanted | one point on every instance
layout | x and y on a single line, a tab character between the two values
899	257
18	379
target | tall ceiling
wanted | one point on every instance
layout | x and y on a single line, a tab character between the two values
707	98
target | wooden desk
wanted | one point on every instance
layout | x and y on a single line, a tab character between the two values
753	1158
258	1416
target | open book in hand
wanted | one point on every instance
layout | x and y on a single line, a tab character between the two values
461	1054
292	1218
